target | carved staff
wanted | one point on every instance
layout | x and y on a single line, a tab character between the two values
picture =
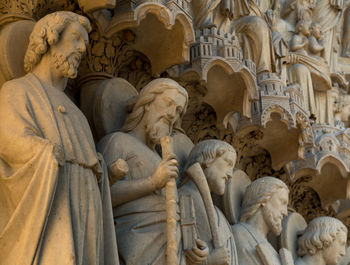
171	206
195	172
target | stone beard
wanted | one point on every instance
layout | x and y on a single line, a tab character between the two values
55	199
139	197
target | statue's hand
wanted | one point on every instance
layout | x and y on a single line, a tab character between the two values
58	154
219	256
166	170
198	254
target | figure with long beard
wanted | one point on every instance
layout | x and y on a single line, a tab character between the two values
138	198
54	193
263	208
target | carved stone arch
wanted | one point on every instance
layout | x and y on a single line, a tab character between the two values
328	143
231	68
332	181
172	34
231	88
334	160
285	116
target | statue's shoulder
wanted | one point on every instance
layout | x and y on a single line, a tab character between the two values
119	140
118	137
16	87
239	231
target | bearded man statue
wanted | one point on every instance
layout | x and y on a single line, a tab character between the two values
54	194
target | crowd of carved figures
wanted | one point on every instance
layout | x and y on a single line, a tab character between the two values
174	132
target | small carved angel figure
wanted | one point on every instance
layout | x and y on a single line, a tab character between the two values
316	42
299	42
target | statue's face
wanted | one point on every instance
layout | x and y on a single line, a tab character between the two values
68	51
304	29
275	209
219	171
335	250
162	113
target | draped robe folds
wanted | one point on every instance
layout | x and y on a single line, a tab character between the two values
247	239
203	226
140	224
50	214
313	76
255	34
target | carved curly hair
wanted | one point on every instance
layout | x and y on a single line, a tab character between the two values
319	233
46	32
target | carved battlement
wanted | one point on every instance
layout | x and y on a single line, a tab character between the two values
212	43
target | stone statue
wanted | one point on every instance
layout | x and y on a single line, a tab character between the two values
323	242
298	72
346	34
263	208
299	42
316	42
138	198
306	70
205	12
54	193
210	162
255	35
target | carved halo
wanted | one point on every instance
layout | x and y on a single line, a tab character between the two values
293	226
232	198
110	107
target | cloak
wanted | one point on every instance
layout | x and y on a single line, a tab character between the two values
49	212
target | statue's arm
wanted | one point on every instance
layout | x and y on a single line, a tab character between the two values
315	46
128	190
297	43
20	138
131	189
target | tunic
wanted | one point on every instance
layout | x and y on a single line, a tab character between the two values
141	223
50	214
247	239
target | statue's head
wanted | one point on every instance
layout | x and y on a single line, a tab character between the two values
217	159
269	196
327	235
302	27
160	107
315	30
61	35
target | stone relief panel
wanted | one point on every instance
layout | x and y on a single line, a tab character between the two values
268	80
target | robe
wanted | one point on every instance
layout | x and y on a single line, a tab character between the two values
140	224
50	213
202	222
247	239
255	35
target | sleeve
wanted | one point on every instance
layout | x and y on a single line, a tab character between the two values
20	137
